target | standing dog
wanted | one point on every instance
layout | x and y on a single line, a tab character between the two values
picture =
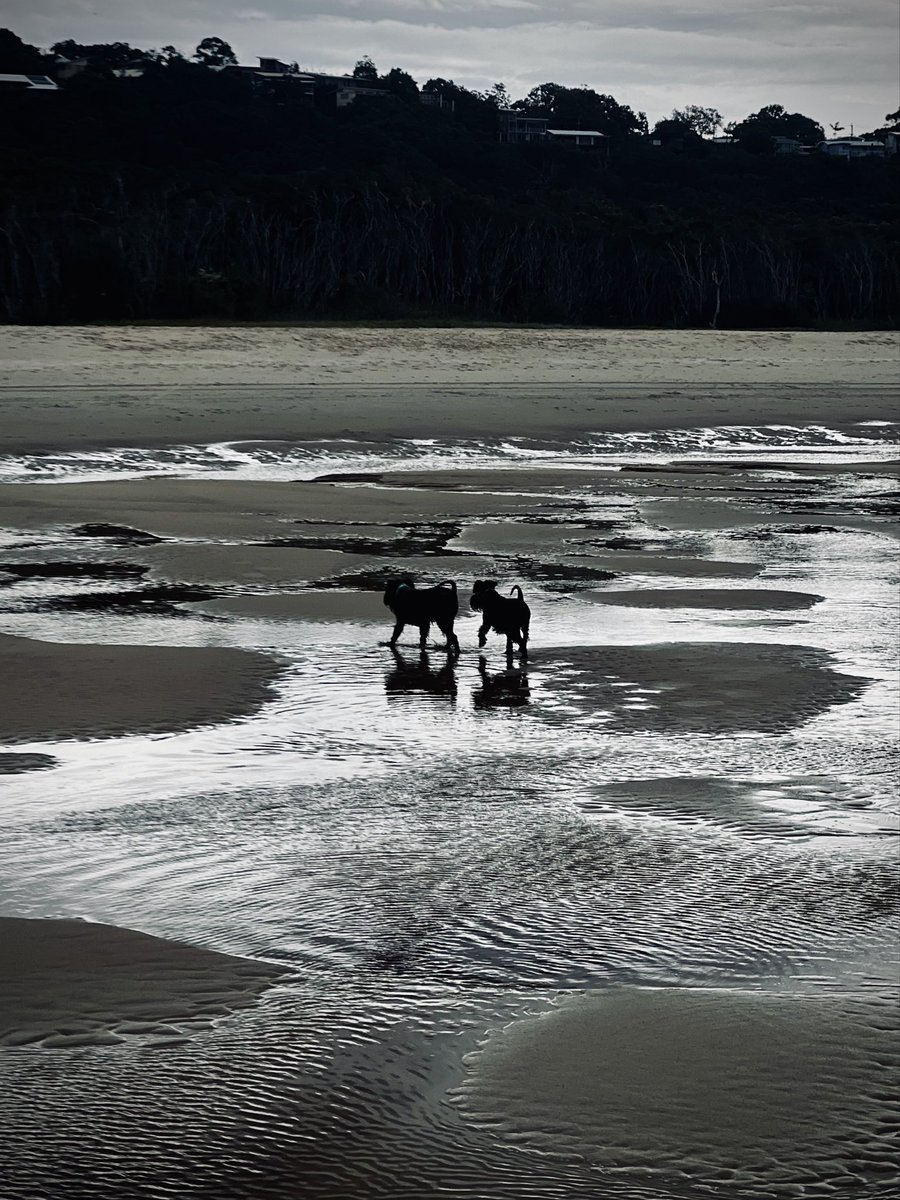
508	617
423	607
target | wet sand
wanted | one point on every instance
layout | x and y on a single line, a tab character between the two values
75	983
51	690
729	1090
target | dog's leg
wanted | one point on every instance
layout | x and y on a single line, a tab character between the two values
423	635
483	632
398	629
523	642
446	628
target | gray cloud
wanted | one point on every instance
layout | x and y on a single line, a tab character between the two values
834	62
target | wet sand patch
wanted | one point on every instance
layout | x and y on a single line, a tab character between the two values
18	764
759	1092
243	565
798	806
695	687
749	599
163	600
75	983
233	509
55	690
411	540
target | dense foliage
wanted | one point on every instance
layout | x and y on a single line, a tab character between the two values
187	192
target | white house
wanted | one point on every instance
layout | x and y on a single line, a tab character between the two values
853	148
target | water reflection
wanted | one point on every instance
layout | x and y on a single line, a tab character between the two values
501	689
418	675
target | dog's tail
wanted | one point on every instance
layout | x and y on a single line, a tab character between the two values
516	588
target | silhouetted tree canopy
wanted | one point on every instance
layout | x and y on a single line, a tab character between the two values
213	52
702	121
18	58
400	84
365	69
756	131
582	108
191	192
111	55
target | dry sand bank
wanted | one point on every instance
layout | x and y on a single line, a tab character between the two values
96	386
49	690
74	983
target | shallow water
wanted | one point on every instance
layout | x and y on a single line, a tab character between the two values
436	851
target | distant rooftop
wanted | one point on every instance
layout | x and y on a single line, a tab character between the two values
28	83
576	133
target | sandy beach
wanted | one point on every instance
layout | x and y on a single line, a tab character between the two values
207	751
147	385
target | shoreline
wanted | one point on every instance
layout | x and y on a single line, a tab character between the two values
154	415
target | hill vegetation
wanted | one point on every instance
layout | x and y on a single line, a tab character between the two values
187	191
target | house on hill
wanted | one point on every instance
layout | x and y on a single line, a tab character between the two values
853	148
27	83
272	72
516	129
583	139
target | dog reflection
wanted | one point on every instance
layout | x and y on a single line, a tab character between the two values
417	675
501	689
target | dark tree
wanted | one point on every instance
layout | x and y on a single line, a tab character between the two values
498	95
110	56
18	58
755	132
365	69
167	54
213	52
400	84
702	121
583	108
676	134
470	109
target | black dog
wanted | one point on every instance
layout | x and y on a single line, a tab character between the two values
423	607
508	617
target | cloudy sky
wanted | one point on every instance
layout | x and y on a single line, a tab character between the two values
833	62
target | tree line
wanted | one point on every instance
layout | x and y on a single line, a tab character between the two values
185	193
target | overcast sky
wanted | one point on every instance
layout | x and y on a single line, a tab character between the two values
833	62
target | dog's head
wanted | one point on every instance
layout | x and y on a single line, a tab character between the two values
482	589
394	586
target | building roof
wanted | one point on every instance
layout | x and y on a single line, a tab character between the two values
44	82
855	141
576	133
